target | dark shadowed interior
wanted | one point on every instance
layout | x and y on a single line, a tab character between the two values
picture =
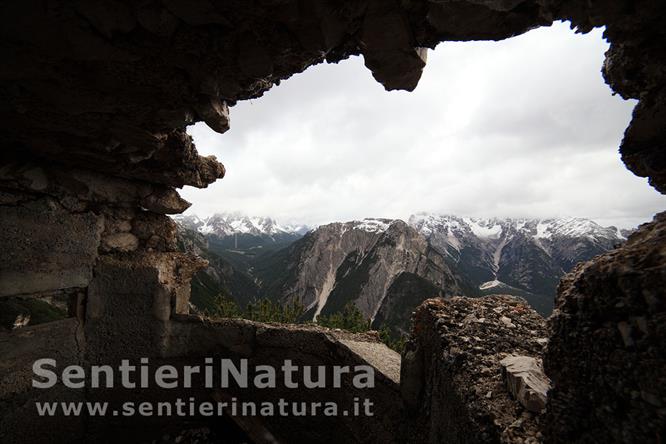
96	98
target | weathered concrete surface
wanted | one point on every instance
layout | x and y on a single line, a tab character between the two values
131	299
76	189
187	341
607	352
19	349
378	355
44	247
271	344
451	376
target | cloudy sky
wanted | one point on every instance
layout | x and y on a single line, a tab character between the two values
520	128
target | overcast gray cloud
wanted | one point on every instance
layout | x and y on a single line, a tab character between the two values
524	127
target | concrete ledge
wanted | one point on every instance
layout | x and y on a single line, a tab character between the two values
271	344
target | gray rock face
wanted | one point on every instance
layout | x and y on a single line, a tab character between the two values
526	257
361	262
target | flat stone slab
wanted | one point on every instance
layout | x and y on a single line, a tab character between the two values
378	355
526	381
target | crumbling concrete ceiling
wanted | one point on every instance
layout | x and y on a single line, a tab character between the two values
110	85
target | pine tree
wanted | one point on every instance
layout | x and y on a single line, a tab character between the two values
350	319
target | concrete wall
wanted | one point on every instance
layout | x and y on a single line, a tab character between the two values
46	247
19	422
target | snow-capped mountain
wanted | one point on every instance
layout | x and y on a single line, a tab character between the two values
371	225
519	255
495	228
240	239
229	224
386	266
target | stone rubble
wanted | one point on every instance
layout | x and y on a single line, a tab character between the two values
451	376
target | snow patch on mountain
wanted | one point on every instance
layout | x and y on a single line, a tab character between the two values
484	228
458	228
543	231
490	284
372	225
575	227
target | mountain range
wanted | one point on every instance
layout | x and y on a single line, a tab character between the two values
526	257
239	238
386	267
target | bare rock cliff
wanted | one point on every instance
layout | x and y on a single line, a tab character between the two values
350	262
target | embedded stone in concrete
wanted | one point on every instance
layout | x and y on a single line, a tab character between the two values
155	231
37	178
215	113
122	242
165	201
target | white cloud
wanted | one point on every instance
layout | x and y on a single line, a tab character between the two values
523	127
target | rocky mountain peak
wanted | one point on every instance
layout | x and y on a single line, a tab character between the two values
520	256
373	225
371	263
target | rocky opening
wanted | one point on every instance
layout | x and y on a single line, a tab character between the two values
96	96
